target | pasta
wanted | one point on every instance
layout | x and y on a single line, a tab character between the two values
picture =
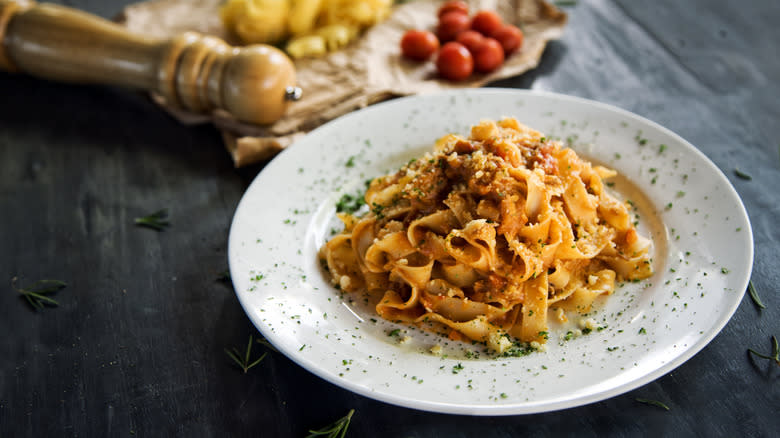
256	21
311	27
483	236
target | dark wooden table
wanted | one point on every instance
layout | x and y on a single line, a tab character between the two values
136	345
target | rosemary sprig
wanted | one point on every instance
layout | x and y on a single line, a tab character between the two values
775	352
224	276
653	402
754	296
742	174
244	362
337	429
35	294
156	221
566	3
263	341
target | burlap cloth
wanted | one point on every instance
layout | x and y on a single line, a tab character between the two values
367	71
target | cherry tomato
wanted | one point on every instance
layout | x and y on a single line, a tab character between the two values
453	6
489	56
486	22
419	44
451	24
471	39
455	61
510	37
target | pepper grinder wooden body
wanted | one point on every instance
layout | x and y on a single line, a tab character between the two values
192	71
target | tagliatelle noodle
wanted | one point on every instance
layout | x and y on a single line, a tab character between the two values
482	236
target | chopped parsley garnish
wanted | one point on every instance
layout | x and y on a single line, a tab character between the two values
350	203
377	210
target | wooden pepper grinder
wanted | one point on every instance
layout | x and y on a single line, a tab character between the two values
192	71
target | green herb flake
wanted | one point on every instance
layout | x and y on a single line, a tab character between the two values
457	368
337	429
653	402
156	221
244	362
754	296
36	293
350	162
350	203
642	331
724	271
224	276
661	148
377	210
395	332
264	342
775	352
742	174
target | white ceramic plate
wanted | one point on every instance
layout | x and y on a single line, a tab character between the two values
703	258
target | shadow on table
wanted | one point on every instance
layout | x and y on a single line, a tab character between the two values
105	118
